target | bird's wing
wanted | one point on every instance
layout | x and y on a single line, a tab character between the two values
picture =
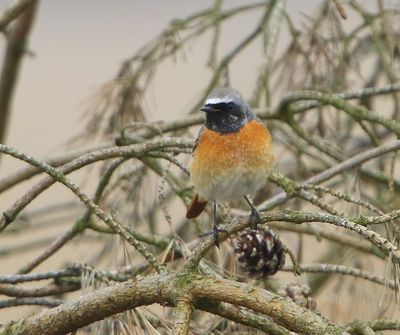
196	207
201	131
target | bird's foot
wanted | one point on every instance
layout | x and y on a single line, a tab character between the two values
255	218
216	231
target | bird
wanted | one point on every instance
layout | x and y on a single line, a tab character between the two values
232	156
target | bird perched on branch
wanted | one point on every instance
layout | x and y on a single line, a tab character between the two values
231	157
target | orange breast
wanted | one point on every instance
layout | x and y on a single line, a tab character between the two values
217	154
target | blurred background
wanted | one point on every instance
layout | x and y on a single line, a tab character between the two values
77	47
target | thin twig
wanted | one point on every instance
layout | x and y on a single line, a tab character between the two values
12	12
346	270
134	150
16	45
334	171
60	177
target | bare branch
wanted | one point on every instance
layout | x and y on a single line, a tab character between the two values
11	13
17	40
16	291
60	177
93	307
346	270
279	309
134	150
182	316
245	317
335	170
30	301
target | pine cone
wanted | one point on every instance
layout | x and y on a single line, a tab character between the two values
300	294
260	252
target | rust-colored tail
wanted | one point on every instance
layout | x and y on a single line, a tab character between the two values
196	207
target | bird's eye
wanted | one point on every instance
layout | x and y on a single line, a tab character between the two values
230	106
233	109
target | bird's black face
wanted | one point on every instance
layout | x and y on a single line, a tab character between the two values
224	117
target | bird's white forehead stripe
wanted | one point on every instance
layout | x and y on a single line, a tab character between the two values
214	101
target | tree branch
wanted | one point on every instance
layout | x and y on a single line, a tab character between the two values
182	316
11	13
134	150
334	171
286	314
60	177
17	40
93	307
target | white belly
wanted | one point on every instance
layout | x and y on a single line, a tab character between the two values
233	185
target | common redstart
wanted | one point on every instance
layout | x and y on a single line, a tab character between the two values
231	157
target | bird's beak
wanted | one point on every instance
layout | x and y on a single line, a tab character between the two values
208	109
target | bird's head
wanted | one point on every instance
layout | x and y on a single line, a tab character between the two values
226	111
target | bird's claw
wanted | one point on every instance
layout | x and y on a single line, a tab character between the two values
255	218
216	231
